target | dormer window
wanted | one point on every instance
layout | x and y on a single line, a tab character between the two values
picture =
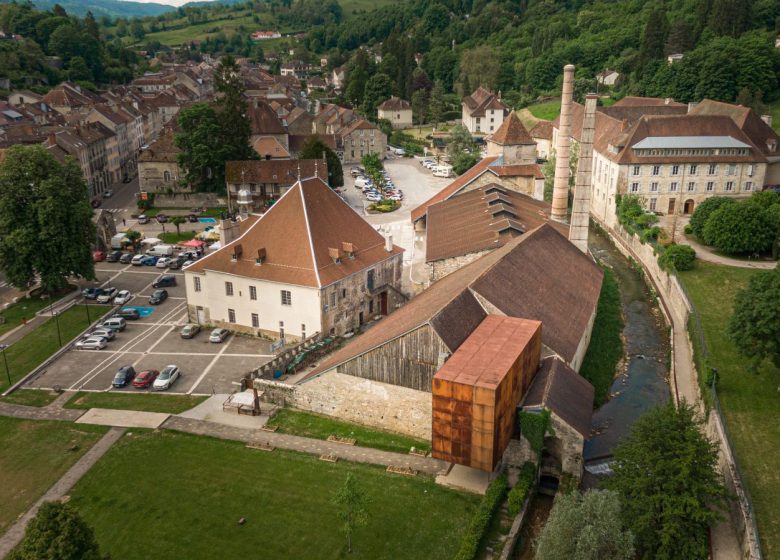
771	145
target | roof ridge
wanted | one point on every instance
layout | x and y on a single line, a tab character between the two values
315	264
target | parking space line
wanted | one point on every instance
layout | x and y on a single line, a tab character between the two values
207	369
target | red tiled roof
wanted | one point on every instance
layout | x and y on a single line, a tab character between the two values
511	133
543	130
263	119
394	104
279	171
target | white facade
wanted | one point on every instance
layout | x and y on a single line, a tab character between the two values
483	125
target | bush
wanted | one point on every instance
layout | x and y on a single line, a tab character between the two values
533	425
479	523
688	229
740	228
677	257
703	212
520	491
386	205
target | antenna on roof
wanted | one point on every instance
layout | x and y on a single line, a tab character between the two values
299	170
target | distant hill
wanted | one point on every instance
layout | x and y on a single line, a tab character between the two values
110	8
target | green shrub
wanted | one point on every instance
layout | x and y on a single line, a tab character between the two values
533	425
703	212
520	491
688	229
677	257
469	546
740	228
386	205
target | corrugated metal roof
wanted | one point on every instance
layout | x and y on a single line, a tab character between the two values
663	142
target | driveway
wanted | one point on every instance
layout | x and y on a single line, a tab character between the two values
153	342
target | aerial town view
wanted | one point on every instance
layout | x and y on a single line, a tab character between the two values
390	279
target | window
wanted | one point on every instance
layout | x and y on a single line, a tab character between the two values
228	288
713	169
729	186
231	315
693	169
303	331
675	170
710	186
167	176
343	293
332	299
286	297
252	292
751	170
732	170
634	187
635	172
749	186
656	170
281	329
673	186
653	203
691	186
196	282
255	320
654	186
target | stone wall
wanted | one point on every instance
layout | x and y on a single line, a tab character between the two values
441	268
188	200
370	403
572	443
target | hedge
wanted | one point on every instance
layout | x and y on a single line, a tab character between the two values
469	546
533	425
520	491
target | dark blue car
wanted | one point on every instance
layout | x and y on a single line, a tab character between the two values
150	260
124	376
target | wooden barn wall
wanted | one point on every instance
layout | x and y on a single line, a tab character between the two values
408	361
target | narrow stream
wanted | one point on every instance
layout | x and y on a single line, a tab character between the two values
644	382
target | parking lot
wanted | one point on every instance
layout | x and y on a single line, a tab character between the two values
153	342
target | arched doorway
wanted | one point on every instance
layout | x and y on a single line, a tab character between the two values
550	472
688	208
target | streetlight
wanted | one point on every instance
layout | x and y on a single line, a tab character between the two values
57	320
5	359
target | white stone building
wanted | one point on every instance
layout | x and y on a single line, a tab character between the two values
397	111
483	111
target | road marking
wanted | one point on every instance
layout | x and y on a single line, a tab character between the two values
208	367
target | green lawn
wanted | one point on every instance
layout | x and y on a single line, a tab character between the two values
35	455
26	309
199	31
320	427
774	110
750	401
606	346
173	237
546	111
30	397
147	402
40	343
157	494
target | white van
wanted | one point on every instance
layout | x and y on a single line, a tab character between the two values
119	241
161	251
115	324
442	171
360	182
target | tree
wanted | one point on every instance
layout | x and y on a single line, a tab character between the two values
479	66
378	88
654	37
666	476
315	148
420	105
754	327
204	152
133	237
703	212
45	219
436	103
232	109
730	17
137	29
57	532
740	228
178	221
677	257
585	526
435	19
462	150
351	504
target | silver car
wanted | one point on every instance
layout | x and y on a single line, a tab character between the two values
92	343
108	334
167	377
218	335
123	297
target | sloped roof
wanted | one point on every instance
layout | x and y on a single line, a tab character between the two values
511	133
263	119
564	392
745	118
281	171
543	130
297	234
481	100
268	146
539	276
636	101
395	104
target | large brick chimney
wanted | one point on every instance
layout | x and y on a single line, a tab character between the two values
580	210
560	199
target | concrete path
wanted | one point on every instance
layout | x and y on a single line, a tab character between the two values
123	418
306	445
15	534
39	413
705	253
211	410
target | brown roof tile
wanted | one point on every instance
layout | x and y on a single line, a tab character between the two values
746	119
512	133
281	171
542	130
263	119
394	104
269	147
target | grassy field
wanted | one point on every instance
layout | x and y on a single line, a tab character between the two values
320	427
35	455
750	401
199	31
774	110
172	237
40	343
30	397
606	346
26	309
156	494
546	111
147	402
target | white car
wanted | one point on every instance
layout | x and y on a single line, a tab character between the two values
373	197
163	262
107	295
92	343
122	297
138	260
167	377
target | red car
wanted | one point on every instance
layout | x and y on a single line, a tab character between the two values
98	256
145	379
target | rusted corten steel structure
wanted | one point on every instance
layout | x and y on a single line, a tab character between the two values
476	392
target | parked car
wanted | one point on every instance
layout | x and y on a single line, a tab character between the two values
189	331
138	260
107	295
149	260
122	297
191	255
167	377
373	197
115	324
143	219
108	194
186	263
163	262
175	263
218	335
193	218
162	219
128	313
113	256
124	376
158	296
164	281
145	379
92	343
126	258
91	293
108	334
98	256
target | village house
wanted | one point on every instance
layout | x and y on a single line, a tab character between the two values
483	111
542	135
158	167
262	35
296	68
359	139
309	265
264	122
397	111
338	77
268	147
87	144
267	180
608	77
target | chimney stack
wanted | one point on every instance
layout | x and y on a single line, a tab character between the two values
561	186
767	119
580	212
389	243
